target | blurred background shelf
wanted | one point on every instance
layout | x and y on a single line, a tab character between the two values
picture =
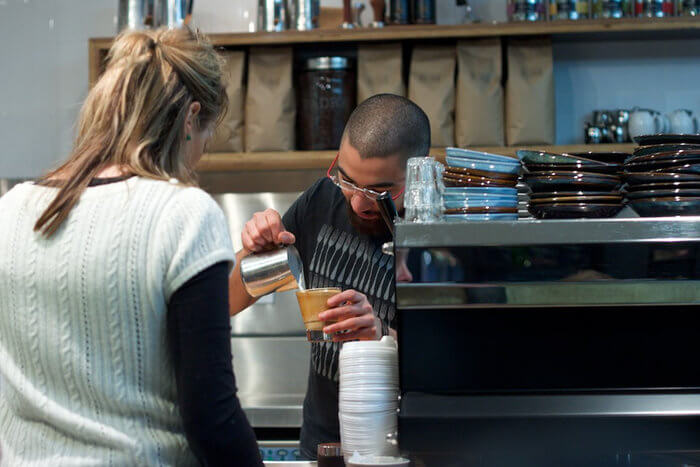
635	28
305	160
420	32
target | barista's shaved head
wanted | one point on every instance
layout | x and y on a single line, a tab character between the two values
387	125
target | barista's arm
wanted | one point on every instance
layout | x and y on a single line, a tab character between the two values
238	296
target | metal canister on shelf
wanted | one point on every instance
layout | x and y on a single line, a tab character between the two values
688	8
611	9
423	12
326	94
304	14
273	15
569	9
400	11
527	10
653	8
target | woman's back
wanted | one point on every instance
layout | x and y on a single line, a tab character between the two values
87	378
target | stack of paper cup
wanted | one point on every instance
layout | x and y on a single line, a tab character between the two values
369	396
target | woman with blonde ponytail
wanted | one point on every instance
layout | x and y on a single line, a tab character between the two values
114	321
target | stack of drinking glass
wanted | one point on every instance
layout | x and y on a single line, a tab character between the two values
424	189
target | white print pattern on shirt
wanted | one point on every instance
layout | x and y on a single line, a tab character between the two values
345	260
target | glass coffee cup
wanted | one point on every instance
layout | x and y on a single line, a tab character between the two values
311	303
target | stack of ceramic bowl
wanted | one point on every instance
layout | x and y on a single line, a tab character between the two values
569	186
663	176
368	398
480	186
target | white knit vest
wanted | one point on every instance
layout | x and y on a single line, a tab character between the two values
86	373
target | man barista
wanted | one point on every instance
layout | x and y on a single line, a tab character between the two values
337	228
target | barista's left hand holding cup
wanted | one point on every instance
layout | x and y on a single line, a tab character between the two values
355	317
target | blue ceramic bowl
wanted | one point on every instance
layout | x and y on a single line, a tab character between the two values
484	166
481	202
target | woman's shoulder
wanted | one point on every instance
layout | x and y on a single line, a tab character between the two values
17	195
178	193
182	204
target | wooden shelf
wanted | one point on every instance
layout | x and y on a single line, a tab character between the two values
422	32
315	160
98	47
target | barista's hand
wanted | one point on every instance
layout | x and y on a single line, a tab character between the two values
265	231
355	316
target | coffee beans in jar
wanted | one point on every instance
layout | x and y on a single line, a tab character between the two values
326	94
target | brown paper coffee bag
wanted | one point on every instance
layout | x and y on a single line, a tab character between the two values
479	106
270	109
530	93
431	85
379	70
228	136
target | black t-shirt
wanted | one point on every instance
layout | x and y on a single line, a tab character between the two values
335	255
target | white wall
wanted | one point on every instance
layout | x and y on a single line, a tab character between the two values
656	74
43	77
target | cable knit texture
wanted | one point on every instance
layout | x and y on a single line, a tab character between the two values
87	379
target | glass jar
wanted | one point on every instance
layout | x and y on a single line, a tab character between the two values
611	9
688	8
326	93
653	8
569	9
527	10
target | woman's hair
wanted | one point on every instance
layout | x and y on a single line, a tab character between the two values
134	116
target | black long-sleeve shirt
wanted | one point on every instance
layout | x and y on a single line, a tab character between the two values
199	336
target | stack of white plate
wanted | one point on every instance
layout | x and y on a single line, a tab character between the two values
369	396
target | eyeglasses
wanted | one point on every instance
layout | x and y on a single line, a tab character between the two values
352	188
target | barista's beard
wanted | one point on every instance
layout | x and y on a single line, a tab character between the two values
376	228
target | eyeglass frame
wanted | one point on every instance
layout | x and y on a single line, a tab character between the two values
368	193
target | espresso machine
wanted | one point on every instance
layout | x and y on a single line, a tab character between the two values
559	342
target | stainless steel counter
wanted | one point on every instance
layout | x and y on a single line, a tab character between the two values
548	232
